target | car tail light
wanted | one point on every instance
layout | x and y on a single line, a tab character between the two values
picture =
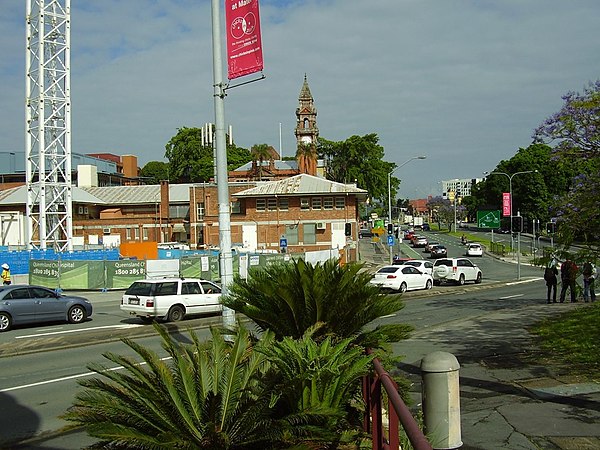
149	303
391	276
454	269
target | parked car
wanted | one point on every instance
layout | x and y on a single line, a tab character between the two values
457	270
474	250
365	232
438	251
401	278
421	264
21	304
419	241
171	299
426	227
397	260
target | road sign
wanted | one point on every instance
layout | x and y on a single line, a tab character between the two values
390	240
283	242
488	219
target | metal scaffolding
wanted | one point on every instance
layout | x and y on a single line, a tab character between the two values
48	125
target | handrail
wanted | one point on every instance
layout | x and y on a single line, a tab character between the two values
397	410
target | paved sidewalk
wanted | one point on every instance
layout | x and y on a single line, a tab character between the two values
508	399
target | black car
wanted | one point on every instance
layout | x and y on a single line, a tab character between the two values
20	304
365	233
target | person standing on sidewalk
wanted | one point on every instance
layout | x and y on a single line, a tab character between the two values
589	276
5	274
568	276
551	278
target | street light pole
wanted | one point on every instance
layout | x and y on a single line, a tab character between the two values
510	177
390	192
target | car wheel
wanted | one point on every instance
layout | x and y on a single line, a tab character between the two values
428	285
77	314
478	279
461	279
5	322
402	288
176	314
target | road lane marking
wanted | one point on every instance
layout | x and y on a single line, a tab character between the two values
512	296
70	377
121	326
512	283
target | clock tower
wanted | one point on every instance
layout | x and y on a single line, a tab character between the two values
306	131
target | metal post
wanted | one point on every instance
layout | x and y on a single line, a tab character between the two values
225	257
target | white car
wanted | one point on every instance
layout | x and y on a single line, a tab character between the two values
474	250
456	270
421	264
401	278
171	299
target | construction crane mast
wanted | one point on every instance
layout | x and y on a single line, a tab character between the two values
48	125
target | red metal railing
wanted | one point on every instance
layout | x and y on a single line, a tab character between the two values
398	412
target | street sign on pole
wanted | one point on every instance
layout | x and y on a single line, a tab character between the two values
390	240
488	219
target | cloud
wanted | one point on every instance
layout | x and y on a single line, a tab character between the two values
463	82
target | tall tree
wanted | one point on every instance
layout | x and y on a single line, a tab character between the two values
575	132
360	159
155	171
260	153
190	161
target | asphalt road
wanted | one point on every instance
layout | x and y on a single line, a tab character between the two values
41	364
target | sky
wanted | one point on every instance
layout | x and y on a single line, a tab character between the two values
462	82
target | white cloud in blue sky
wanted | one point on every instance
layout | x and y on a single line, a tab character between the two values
463	82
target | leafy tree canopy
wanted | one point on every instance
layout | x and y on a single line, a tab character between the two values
190	161
359	158
155	171
575	132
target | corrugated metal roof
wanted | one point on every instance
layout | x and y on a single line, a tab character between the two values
302	184
18	196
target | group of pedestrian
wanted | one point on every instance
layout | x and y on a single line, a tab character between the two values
569	271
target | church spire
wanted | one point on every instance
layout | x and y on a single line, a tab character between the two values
306	131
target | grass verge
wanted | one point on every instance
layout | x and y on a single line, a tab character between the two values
573	338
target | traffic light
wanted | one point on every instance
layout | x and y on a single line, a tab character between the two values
390	228
348	229
517	224
551	227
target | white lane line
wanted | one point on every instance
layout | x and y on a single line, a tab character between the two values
512	296
70	377
512	283
121	326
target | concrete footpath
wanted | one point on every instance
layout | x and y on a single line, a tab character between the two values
509	400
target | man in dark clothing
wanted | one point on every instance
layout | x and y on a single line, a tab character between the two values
551	277
568	275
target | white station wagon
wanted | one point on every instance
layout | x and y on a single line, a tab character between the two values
171	299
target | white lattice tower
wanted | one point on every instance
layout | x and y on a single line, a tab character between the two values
48	125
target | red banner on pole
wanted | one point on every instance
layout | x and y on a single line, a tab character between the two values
506	204
244	47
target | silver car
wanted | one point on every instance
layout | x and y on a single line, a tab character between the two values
22	304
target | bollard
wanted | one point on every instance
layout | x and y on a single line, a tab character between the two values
441	400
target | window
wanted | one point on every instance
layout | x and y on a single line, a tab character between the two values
166	288
145	233
304	204
261	204
340	202
179	211
316	203
284	204
210	288
128	234
235	207
272	204
310	233
136	233
200	210
291	233
191	288
328	203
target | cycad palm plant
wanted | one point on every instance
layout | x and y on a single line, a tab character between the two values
289	298
207	396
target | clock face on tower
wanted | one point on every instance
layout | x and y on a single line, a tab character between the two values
306	139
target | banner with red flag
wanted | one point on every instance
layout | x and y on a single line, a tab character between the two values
506	204
244	47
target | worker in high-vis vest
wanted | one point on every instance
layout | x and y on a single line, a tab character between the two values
5	274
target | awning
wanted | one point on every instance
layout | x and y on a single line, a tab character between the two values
179	228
